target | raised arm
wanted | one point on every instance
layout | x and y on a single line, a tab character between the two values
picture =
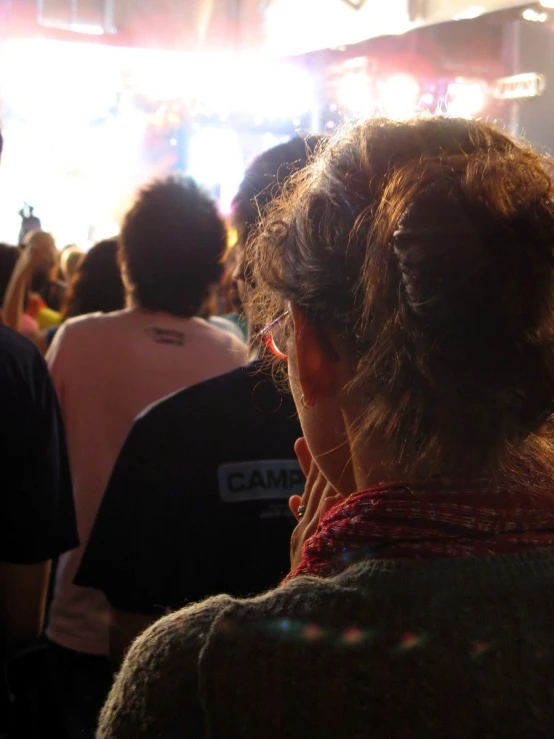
14	299
39	255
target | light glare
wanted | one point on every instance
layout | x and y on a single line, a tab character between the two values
469	14
530	14
466	99
354	93
400	96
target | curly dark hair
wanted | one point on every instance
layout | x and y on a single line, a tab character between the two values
427	247
96	284
172	245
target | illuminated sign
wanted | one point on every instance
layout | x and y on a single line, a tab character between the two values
519	86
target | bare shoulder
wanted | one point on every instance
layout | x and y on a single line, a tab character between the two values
80	333
91	322
155	692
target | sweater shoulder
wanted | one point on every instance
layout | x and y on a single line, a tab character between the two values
155	692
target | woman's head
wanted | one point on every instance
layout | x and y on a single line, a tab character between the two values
96	284
70	256
263	181
45	243
421	254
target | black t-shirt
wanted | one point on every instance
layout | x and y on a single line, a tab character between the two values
198	500
37	516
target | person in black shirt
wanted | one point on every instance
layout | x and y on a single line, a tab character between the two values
37	522
198	501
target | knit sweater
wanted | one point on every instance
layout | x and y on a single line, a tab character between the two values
445	648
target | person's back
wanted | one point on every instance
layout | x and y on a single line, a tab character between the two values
208	472
387	649
107	368
404	649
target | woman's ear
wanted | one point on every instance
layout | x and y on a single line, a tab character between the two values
317	369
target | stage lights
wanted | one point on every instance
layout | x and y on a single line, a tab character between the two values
466	98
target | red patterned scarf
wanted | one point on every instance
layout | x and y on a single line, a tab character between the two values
431	519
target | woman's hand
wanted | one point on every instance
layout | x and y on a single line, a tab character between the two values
39	255
319	496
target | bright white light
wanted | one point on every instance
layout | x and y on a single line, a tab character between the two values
92	29
277	91
465	99
547	3
354	93
400	96
104	230
467	15
75	80
215	161
65	100
532	15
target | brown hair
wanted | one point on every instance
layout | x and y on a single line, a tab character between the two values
96	285
265	177
428	246
172	244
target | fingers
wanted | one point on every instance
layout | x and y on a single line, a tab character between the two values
294	502
314	487
303	455
41	256
315	490
329	501
318	498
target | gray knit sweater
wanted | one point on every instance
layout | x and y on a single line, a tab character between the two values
386	650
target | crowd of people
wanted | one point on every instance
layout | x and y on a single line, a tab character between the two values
311	498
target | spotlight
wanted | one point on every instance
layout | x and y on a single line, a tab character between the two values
530	14
400	96
465	98
354	93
